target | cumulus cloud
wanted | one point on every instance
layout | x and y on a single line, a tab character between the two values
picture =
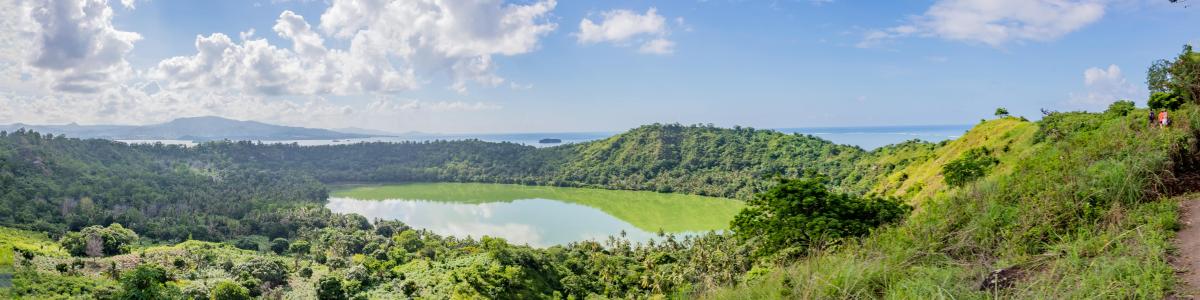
70	45
624	27
459	37
1103	86
393	46
995	22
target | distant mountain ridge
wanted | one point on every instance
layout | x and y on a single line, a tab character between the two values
194	129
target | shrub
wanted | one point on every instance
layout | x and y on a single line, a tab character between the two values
803	212
271	272
97	241
299	247
228	290
1165	100
246	244
279	245
330	288
969	167
146	282
1120	108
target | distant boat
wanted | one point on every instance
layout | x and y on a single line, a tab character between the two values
550	141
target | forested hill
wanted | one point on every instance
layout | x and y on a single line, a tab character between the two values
52	184
223	189
704	160
667	158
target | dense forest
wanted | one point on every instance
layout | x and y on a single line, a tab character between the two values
1075	205
693	159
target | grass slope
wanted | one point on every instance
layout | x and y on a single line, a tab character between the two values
1006	138
1074	215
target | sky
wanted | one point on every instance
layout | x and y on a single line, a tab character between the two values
492	66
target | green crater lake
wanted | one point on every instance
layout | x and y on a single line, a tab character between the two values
536	215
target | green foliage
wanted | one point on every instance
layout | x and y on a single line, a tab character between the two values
299	247
146	282
1120	108
228	290
330	288
31	284
268	271
97	241
802	212
969	167
1079	214
1001	112
1180	75
1165	100
279	245
56	184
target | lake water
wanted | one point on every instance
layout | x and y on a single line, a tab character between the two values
865	137
536	216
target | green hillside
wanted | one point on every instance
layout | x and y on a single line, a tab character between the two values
1078	207
703	159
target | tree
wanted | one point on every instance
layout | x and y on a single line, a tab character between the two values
1180	75
969	167
246	244
1165	100
300	247
1001	112
146	282
269	271
1120	108
330	288
228	290
98	241
803	212
279	245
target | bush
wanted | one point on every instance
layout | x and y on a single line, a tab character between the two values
330	288
271	272
147	282
299	247
228	290
97	241
246	244
803	213
1120	108
969	167
1165	100
279	245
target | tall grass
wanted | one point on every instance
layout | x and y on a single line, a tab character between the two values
1077	214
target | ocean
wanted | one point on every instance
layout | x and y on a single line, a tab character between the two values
864	137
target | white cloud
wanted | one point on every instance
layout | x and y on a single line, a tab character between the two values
68	45
658	46
393	46
458	37
1103	86
622	27
995	22
389	106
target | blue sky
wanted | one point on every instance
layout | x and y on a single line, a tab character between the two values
524	66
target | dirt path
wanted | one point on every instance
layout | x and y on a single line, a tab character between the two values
1187	263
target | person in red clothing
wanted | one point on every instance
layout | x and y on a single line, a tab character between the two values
1163	119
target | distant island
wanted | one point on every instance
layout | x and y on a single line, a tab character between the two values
192	129
550	141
